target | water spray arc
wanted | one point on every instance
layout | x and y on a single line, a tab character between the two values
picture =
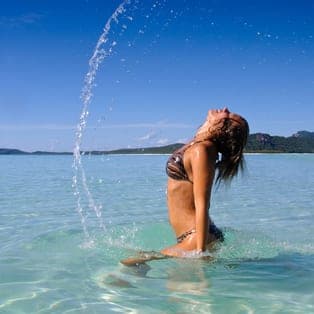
79	177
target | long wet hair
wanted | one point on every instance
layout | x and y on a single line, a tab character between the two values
230	137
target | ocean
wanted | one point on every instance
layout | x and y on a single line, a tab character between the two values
59	255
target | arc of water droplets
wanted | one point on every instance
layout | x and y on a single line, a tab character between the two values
98	56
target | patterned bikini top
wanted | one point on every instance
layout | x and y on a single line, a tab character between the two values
175	165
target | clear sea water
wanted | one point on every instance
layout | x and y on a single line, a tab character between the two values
48	265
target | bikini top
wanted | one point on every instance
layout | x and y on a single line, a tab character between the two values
175	166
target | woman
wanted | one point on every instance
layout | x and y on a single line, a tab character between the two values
191	171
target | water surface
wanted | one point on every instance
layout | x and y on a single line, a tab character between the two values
47	265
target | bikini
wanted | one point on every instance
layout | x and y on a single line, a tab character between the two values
175	165
212	229
175	170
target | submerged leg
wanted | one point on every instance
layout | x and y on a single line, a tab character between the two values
144	256
182	249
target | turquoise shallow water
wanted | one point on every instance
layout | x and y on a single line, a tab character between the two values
48	265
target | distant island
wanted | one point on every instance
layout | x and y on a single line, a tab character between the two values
300	142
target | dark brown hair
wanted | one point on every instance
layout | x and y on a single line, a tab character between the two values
230	138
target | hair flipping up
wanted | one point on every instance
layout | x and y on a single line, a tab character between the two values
230	137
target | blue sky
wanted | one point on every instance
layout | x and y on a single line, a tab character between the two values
171	62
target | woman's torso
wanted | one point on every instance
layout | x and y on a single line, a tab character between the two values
180	196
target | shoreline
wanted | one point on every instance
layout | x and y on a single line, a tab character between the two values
88	154
301	142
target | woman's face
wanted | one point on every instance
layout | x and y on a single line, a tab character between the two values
214	116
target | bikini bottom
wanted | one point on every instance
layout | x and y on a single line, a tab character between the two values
211	230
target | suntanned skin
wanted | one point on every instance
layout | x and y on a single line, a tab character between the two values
188	202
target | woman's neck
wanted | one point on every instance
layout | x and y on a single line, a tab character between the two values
202	135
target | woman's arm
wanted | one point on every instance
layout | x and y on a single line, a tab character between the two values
202	158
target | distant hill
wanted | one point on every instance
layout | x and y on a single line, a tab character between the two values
300	142
145	150
9	151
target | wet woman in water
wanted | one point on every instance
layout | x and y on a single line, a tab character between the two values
217	148
215	151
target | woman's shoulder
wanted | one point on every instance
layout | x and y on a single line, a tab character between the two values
204	145
207	148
